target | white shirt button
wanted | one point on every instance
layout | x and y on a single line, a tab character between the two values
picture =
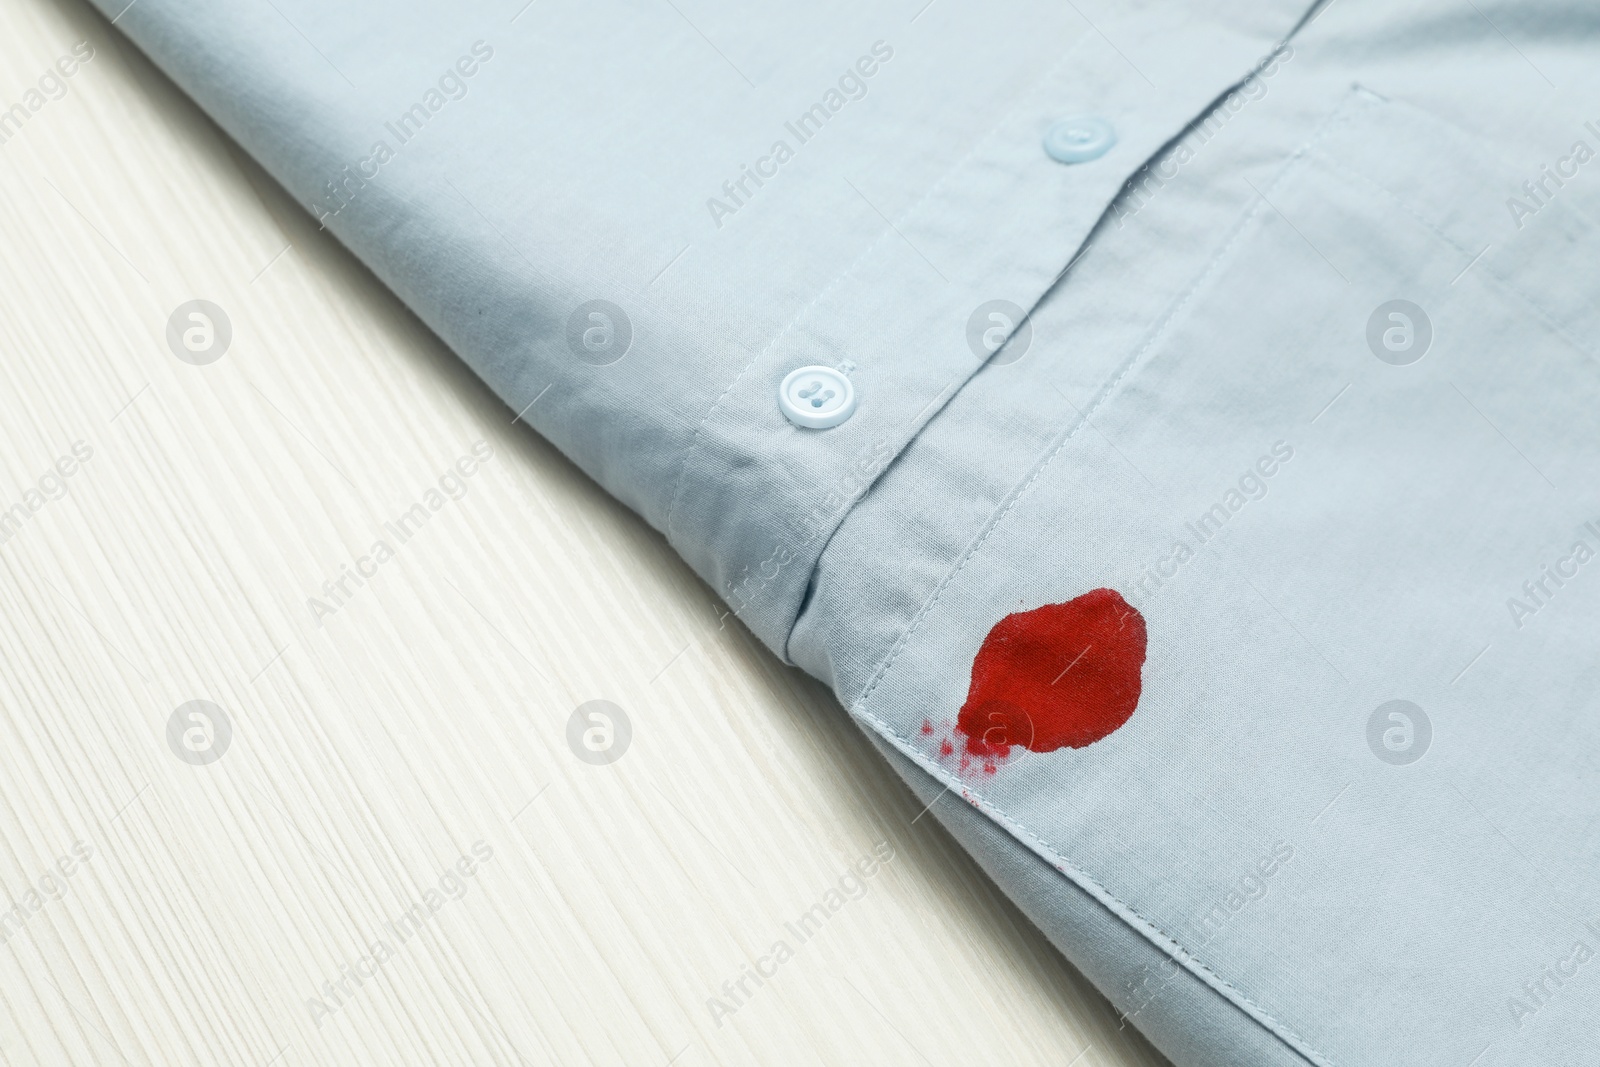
1078	140
816	397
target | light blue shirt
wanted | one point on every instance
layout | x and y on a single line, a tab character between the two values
1197	503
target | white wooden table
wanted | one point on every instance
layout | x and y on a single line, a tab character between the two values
236	889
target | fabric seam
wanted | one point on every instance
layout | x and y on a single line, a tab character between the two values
1143	924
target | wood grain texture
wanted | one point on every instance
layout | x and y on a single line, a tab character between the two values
374	747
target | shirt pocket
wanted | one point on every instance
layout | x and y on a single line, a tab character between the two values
1388	263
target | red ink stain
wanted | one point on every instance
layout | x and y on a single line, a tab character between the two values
1059	676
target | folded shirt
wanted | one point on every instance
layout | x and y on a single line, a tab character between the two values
1167	429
